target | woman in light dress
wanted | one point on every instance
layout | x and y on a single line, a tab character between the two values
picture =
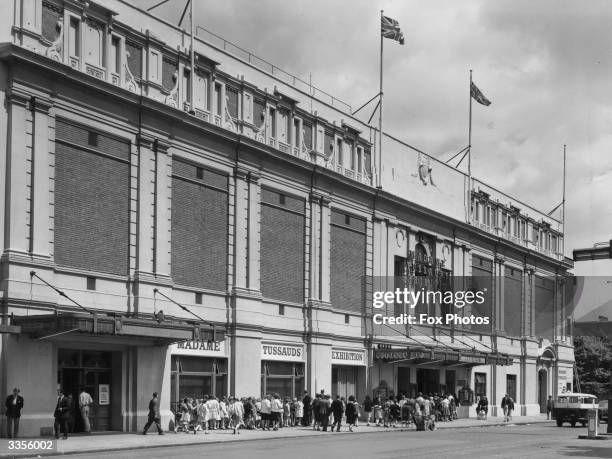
203	415
214	417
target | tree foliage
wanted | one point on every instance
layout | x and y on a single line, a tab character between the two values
594	365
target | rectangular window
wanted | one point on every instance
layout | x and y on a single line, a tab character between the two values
307	133
218	99
198	298
480	384
482	280
360	159
91	283
339	152
133	55
297	133
283	126
232	101
114	63
272	122
73	37
194	377
283	378
259	113
511	386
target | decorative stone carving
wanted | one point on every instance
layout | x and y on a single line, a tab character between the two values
130	81
54	51
172	98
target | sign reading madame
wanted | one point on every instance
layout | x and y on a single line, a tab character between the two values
282	351
201	348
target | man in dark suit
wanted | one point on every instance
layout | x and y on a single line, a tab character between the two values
154	416
13	405
61	414
307	400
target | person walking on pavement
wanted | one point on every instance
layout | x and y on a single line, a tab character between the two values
85	401
13	405
61	414
154	416
549	407
510	407
504	406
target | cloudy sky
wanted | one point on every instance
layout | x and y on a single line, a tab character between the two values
545	65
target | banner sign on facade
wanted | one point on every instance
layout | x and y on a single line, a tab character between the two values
347	357
200	348
282	351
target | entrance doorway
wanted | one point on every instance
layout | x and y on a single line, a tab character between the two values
344	381
542	389
428	380
92	371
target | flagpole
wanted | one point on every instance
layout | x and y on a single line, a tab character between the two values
563	209
380	109
192	58
469	191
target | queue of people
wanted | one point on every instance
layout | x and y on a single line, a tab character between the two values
321	412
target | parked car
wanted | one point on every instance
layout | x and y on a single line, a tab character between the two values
573	408
603	410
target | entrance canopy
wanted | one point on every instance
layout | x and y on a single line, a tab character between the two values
161	333
437	356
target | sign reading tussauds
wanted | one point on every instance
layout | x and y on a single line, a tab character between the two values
282	351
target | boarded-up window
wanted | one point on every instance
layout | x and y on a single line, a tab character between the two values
91	211
544	307
347	258
282	246
513	299
482	281
199	226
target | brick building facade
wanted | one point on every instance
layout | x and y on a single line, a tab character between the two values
230	242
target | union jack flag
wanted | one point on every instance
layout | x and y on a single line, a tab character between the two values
389	28
478	96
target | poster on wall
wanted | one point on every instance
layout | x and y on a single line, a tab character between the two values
103	394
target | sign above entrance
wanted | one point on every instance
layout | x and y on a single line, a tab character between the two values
199	348
348	357
282	351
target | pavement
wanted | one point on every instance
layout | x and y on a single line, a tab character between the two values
541	440
106	442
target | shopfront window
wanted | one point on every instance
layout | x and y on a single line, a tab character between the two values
480	385
511	386
283	378
194	377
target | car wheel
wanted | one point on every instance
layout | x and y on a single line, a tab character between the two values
559	422
573	423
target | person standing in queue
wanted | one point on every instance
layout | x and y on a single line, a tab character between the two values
61	414
13	405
